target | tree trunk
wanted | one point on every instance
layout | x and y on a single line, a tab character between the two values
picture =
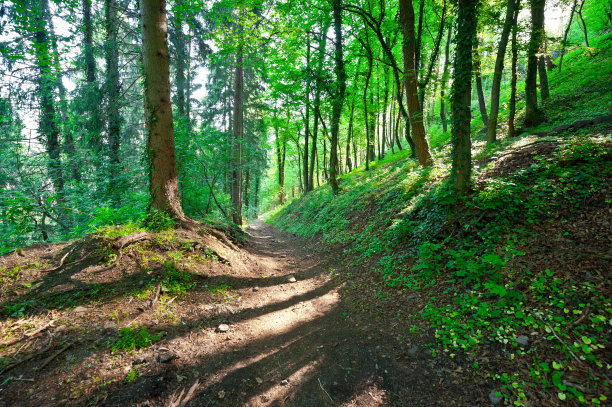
511	8
584	27
533	115
280	162
567	29
112	90
180	55
406	11
47	121
444	81
236	188
482	104
513	76
419	39
467	21
164	186
543	78
317	101
366	113
307	118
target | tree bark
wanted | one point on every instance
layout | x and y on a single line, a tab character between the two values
461	96
164	186
511	8
317	101
338	100
307	118
482	104
543	78
112	91
406	11
47	121
236	187
533	115
444	81
513	76
584	27
567	29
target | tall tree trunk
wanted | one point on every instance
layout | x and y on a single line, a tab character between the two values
366	113
384	112
511	8
513	76
467	20
178	38
543	78
533	115
317	101
424	82
584	27
567	29
419	39
47	122
61	89
280	163
112	90
164	186
307	118
444	81
236	188
482	104
90	62
406	10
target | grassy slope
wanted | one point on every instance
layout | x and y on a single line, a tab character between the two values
524	256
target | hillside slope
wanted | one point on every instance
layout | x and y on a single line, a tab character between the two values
515	278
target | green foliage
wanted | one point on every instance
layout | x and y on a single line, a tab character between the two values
134	338
177	282
157	221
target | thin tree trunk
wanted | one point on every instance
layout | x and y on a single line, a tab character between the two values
317	102
513	77
112	90
482	105
584	27
236	189
543	78
511	8
47	121
461	96
567	29
444	81
406	10
164	186
307	119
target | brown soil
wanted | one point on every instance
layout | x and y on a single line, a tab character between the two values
288	344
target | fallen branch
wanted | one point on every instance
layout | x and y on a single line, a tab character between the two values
33	355
324	391
156	298
56	354
61	263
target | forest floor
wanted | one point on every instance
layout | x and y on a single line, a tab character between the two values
133	330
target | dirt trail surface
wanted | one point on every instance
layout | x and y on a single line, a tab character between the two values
286	336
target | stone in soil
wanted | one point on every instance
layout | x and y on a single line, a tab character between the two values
522	340
167	357
413	350
255	289
223	328
291	279
80	310
284	382
495	398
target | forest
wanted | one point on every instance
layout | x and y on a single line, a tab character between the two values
324	203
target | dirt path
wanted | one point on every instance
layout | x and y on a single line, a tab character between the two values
296	344
289	343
